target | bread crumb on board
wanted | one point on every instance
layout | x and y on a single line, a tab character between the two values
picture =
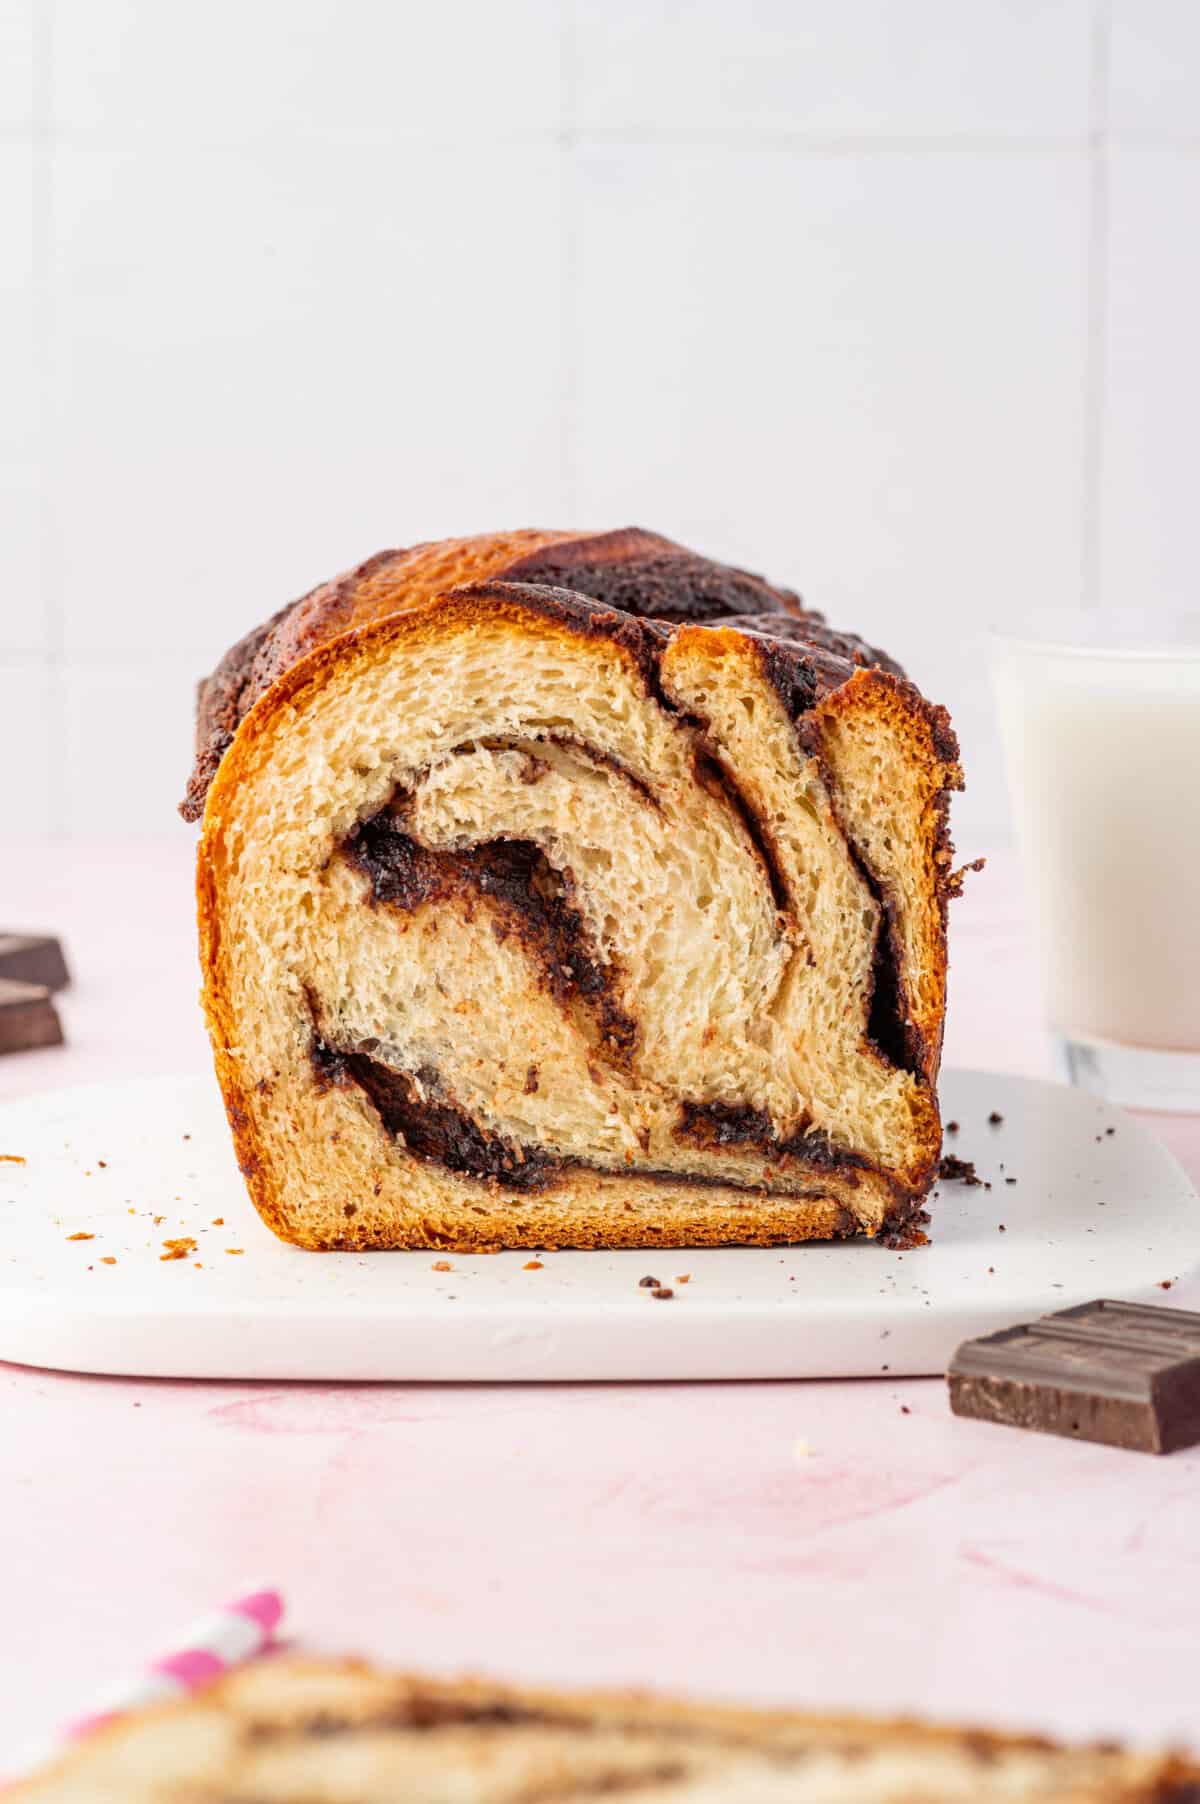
178	1249
441	1265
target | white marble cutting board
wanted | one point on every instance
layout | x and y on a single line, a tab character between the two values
1091	1214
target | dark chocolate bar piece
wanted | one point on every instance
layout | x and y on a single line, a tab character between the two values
1126	1374
28	1017
33	958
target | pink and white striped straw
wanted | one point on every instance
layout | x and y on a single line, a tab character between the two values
238	1632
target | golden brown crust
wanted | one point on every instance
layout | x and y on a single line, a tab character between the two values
928	734
637	571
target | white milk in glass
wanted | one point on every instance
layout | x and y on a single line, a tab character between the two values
1103	748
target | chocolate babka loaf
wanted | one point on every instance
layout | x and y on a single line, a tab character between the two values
572	891
295	1732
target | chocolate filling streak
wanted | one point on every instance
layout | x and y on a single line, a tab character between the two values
422	1713
415	1714
437	1130
715	778
534	903
434	1128
726	1124
651	579
887	1029
591	754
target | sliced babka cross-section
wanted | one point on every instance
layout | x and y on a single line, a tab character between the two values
562	891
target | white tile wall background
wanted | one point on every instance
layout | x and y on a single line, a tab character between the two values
893	299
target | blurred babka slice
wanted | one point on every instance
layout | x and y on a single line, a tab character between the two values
294	1732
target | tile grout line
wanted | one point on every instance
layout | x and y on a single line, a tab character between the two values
815	142
569	268
1096	335
43	345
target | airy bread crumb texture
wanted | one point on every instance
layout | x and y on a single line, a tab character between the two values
729	872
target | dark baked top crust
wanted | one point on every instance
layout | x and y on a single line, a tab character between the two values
634	572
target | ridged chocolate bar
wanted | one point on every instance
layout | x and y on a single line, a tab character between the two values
1125	1374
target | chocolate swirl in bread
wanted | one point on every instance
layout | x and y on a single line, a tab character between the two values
295	1731
610	914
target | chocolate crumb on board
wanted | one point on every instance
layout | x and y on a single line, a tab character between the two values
533	1265
1010	1180
1110	1130
662	1292
81	1236
951	1127
905	1410
179	1248
1165	1283
648	1283
995	1118
103	1164
908	1235
958	1171
441	1265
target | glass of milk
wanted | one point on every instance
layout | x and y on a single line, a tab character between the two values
1100	717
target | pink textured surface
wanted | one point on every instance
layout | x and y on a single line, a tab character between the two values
667	1535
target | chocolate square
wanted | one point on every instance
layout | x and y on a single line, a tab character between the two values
28	1017
1125	1374
33	958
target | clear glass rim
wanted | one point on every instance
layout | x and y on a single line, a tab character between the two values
1157	646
